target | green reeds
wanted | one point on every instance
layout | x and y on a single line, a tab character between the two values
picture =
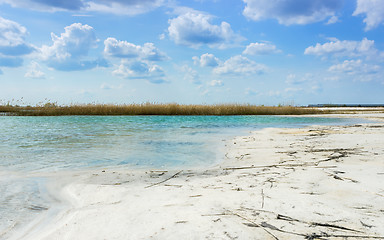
52	109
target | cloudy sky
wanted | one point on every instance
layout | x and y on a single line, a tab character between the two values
197	51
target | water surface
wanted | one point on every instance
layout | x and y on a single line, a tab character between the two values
73	142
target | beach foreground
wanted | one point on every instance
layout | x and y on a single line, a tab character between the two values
318	182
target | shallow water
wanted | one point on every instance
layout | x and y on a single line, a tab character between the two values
73	142
50	144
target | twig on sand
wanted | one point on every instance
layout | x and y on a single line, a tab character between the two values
341	153
335	176
262	198
174	175
265	225
267	166
305	164
255	224
311	236
286	218
327	225
327	236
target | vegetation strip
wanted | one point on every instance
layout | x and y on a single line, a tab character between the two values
52	109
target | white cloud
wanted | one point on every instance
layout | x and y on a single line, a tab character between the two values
124	49
75	41
290	12
216	83
123	7
12	39
140	70
120	7
356	70
136	60
332	20
373	11
354	67
262	48
190	74
206	60
69	51
339	48
195	29
34	71
240	65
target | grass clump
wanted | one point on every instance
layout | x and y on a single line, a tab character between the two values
52	109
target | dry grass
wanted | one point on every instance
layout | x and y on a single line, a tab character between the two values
51	109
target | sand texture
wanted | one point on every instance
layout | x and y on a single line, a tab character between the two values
318	182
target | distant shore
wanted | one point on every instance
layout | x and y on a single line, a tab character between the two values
317	182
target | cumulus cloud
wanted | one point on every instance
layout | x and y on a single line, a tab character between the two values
76	41
373	11
12	43
262	48
121	7
34	71
12	39
290	12
140	70
124	49
194	29
354	67
206	60
69	51
339	48
136	61
240	65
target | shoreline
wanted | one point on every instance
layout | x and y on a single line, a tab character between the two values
267	188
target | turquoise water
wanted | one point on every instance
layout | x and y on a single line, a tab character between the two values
49	144
73	142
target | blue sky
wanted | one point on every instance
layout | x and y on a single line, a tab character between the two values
199	51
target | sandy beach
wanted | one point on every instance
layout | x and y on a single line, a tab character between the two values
317	182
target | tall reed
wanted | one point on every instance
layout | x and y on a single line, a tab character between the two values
52	109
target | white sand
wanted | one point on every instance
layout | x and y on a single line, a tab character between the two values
319	180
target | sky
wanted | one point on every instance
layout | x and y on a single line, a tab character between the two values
263	52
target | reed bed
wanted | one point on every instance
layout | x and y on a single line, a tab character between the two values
154	109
